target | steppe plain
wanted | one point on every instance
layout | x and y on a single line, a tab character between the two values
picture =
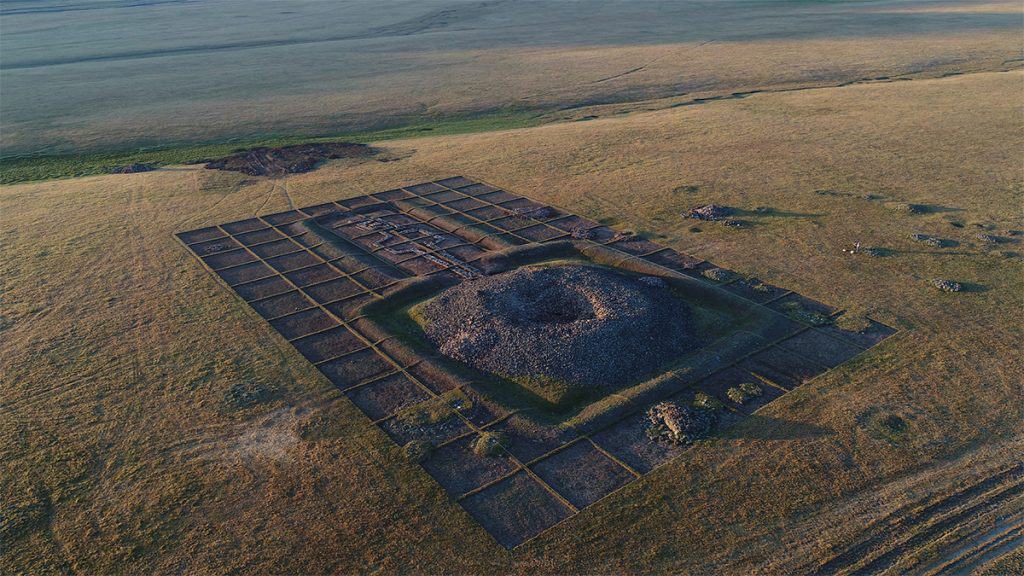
121	453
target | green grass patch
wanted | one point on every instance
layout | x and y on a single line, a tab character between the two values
436	409
15	169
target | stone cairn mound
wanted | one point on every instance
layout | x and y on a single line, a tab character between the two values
583	326
710	212
673	423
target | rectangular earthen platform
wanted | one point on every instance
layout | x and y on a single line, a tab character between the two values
312	291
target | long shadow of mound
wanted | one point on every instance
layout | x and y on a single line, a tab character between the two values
933	252
774	213
972	287
934	209
756	427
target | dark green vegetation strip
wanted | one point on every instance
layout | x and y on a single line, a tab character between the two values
45	167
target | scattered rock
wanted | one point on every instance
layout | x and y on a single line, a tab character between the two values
758	286
718	274
734	223
542	213
711	212
133	168
580	233
675	424
992	239
653	281
707	402
288	159
947	285
801	314
1015	232
744	392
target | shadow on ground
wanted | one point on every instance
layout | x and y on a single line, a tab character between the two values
972	287
774	213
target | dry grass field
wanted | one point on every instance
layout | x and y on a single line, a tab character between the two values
124	447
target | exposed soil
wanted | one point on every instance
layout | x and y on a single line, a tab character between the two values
288	159
579	325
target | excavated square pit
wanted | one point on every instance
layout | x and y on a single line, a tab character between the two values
396	297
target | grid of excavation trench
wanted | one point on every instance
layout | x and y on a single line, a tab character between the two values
309	291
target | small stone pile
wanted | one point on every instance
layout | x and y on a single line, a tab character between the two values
947	285
712	212
930	240
675	424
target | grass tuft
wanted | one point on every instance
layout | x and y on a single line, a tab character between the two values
744	392
435	410
489	444
417	451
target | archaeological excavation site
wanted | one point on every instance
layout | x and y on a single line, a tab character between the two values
532	361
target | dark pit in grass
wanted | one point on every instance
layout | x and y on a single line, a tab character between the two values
242	395
885	425
561	331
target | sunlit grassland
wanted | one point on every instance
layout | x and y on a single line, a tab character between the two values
120	453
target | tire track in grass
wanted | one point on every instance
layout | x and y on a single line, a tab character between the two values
906	519
116	440
980	549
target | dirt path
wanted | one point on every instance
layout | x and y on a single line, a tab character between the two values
287	196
